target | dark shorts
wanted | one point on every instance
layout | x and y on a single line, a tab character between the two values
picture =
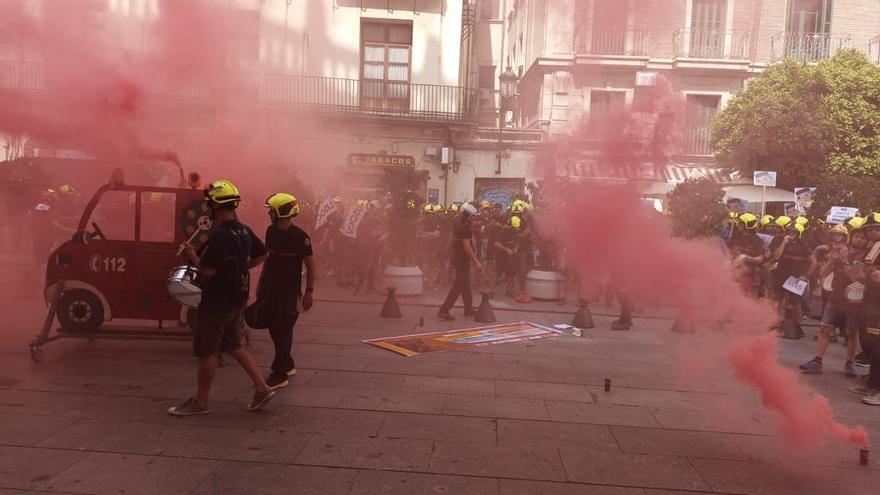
217	330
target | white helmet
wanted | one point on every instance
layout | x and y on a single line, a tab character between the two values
469	209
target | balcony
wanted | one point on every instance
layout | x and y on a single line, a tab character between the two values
808	47
696	142
21	75
613	42
715	44
380	99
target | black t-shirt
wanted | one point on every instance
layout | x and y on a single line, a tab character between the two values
461	230
492	233
228	250
282	273
789	267
748	244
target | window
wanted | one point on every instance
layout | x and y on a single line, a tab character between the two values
609	27
810	16
707	28
488	9
385	71
701	109
114	215
605	106
486	78
157	216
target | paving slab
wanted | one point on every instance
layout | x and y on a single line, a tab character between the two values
647	471
410	366
495	407
443	385
369	453
390	483
751	478
100	473
706	418
600	414
677	443
239	445
500	372
438	427
519	487
542	391
25	429
636	396
517	432
356	381
249	478
296	394
393	400
28	468
116	436
475	459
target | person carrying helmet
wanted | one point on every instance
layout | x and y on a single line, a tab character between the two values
224	261
838	311
747	251
795	260
462	255
289	248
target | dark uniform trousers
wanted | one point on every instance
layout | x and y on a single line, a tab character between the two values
461	286
284	316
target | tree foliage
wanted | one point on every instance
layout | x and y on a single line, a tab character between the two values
697	208
805	121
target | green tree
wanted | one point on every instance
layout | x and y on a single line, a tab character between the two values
805	121
697	208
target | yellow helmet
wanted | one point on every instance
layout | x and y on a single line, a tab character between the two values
453	208
429	208
783	221
518	206
67	189
439	208
802	221
284	205
411	204
363	203
222	192
337	199
485	205
840	229
748	220
871	220
515	222
856	223
767	220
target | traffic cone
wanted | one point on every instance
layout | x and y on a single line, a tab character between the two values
583	319
484	312
390	309
789	327
683	324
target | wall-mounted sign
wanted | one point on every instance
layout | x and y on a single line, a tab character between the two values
379	159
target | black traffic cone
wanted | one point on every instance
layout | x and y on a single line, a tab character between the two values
683	324
790	328
484	313
583	319
390	309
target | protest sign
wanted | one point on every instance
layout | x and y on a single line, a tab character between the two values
352	221
840	214
325	209
795	286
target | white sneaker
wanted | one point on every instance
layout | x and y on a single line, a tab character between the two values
872	400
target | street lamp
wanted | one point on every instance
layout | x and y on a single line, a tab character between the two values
507	80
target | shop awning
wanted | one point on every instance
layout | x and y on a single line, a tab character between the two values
672	173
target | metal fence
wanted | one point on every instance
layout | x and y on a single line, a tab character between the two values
389	99
712	44
628	42
810	47
696	142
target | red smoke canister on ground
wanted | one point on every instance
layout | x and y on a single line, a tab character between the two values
864	456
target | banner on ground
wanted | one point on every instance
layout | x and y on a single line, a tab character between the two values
325	209
422	343
840	214
352	221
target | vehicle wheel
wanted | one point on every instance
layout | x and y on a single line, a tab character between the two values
80	311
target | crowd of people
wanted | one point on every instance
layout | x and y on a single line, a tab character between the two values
793	260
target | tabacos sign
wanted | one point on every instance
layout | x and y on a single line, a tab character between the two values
381	160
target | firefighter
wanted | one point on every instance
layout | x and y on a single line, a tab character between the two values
506	247
289	248
224	261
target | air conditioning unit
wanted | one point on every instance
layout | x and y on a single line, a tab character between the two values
646	78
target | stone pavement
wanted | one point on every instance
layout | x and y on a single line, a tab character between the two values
511	419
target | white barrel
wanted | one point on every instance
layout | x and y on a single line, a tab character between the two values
406	279
544	285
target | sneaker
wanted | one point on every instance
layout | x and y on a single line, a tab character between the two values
862	359
849	370
189	408
872	400
260	400
621	325
275	382
291	372
862	390
445	317
811	367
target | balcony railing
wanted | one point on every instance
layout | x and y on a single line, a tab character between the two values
711	44
21	75
387	99
809	47
696	142
624	42
874	49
